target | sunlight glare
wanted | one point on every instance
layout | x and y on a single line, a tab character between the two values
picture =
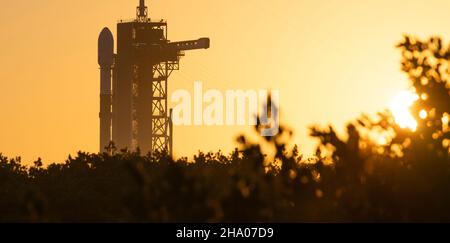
400	108
423	114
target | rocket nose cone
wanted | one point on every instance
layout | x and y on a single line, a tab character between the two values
106	35
105	48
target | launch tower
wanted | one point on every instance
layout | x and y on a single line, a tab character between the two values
134	83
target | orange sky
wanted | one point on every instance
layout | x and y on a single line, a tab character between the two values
330	59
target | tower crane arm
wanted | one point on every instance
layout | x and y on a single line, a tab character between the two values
202	43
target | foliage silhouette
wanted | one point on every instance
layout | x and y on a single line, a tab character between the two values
406	178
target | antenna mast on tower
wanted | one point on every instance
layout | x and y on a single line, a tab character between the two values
142	11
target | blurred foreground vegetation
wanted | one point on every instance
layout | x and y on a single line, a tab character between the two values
377	172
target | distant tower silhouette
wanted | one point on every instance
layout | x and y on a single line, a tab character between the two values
140	70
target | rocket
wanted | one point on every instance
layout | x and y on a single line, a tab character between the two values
106	62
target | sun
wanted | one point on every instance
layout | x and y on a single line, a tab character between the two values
400	108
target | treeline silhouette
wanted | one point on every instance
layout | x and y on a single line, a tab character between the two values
377	172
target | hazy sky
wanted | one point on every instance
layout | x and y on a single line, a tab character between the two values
330	59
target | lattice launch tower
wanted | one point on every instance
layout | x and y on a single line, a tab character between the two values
134	109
